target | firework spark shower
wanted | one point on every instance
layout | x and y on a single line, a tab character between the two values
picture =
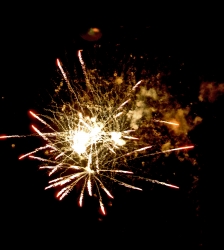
92	138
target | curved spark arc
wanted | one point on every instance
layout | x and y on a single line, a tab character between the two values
86	141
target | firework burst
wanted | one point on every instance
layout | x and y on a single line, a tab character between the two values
90	139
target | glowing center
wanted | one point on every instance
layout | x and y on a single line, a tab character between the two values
82	139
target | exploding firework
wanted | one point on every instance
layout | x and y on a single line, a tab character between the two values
91	139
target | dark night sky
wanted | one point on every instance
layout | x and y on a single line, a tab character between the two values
159	216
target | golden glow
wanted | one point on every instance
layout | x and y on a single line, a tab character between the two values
90	139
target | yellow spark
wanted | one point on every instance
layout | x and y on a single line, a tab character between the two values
102	207
41	120
171	123
136	85
36	150
175	149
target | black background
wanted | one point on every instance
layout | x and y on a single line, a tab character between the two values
32	38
